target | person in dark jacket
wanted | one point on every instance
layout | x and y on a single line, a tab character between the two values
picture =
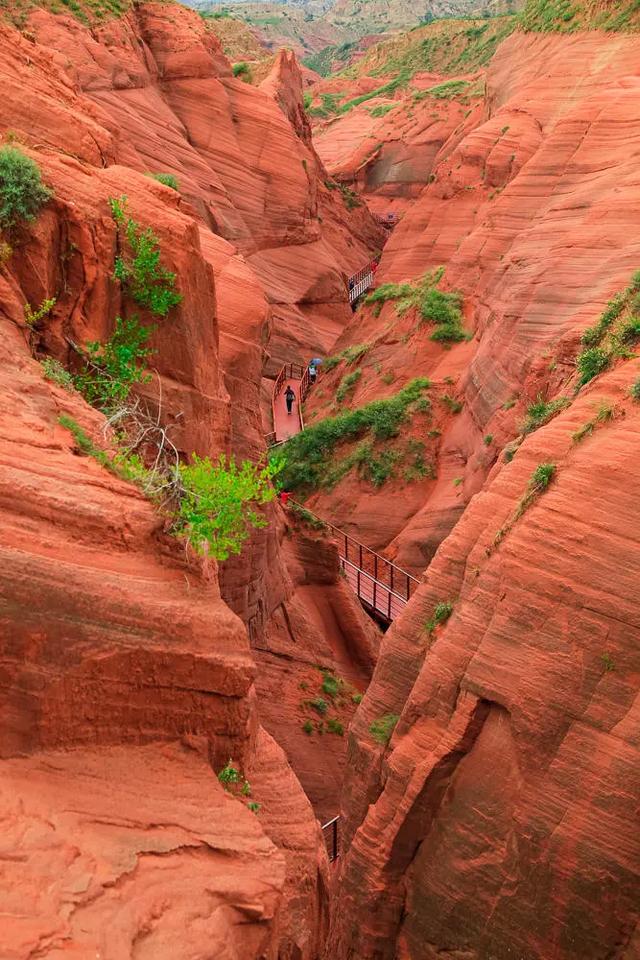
289	397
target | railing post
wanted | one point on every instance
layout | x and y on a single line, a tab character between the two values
408	588
375	565
391	575
361	567
374	595
346	547
389	599
335	839
359	592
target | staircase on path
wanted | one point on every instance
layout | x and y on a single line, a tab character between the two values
362	281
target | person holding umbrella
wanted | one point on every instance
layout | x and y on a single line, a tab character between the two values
314	363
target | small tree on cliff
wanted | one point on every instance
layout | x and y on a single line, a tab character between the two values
22	192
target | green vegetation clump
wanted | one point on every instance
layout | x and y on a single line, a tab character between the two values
441	613
382	109
542	411
125	466
325	61
390	87
229	774
607	662
218	503
335	726
444	91
54	371
319	704
634	390
488	440
455	406
112	368
356	697
382	728
350	197
605	412
307	727
443	309
22	192
350	356
33	317
143	276
592	362
328	107
168	179
331	685
305	455
306	516
242	70
347	384
538	483
592	336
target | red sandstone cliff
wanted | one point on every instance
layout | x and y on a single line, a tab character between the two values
125	673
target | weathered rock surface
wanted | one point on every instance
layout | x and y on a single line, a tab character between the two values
501	821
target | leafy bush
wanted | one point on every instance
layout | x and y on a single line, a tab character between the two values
254	806
382	728
241	69
441	613
229	774
168	179
542	411
591	362
217	507
112	368
347	384
593	335
630	331
356	697
143	277
433	306
22	192
335	726
607	662
305	455
33	317
307	726
634	390
488	440
54	371
350	197
455	406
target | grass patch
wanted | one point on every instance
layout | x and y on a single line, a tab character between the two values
304	457
541	412
634	390
605	412
592	362
168	179
331	685
607	662
347	385
538	483
382	109
307	727
455	406
242	70
319	704
433	306
335	726
350	356
382	728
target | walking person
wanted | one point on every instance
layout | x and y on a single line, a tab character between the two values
289	397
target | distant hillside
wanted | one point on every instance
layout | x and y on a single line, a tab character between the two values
308	26
567	16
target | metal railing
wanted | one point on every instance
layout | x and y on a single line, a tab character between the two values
389	220
331	834
360	282
378	583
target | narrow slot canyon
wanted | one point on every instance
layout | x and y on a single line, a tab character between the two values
319	553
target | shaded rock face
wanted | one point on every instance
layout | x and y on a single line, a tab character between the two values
502	818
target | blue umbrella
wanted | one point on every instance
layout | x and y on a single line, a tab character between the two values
316	361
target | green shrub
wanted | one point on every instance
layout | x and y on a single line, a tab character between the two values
335	726
229	774
433	306
593	335
307	726
350	197
168	179
455	406
350	356
305	455
630	331
591	362
441	613
347	384
33	317
331	685
382	110
356	697
54	371
112	368
254	806
319	704
541	411
144	277
634	390
382	728
22	192
488	440
217	507
241	69
306	516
